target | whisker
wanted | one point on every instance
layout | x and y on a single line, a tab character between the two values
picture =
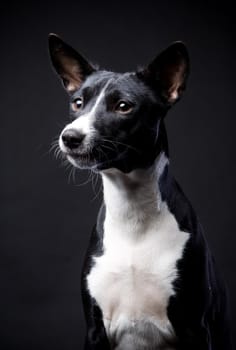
100	149
93	185
107	147
65	163
73	175
97	194
69	177
115	142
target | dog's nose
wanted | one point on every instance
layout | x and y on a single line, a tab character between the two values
72	138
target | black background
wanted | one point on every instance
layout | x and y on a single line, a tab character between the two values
45	222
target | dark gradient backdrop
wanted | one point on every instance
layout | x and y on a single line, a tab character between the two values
45	222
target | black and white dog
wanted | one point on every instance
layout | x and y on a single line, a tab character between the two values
149	281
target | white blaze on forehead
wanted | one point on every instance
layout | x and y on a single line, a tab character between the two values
84	123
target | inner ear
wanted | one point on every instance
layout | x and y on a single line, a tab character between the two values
72	67
169	72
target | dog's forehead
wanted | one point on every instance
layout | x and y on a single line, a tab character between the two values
112	82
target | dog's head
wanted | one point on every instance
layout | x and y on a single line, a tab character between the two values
117	119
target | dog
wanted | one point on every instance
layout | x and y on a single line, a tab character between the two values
149	281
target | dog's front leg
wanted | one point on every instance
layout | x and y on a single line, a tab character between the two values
96	338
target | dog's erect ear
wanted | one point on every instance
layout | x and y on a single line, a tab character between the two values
68	63
169	72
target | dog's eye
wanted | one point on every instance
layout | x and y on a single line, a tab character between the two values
77	104
124	107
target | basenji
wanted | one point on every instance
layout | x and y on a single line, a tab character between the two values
149	281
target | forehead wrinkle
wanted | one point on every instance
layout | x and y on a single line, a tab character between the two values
98	78
95	84
126	86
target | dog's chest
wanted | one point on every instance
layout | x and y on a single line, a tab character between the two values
133	280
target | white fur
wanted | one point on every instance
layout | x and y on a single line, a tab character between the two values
133	280
84	124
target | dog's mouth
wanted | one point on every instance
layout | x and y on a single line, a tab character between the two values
95	159
91	159
82	159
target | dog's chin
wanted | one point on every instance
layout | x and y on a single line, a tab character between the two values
81	161
93	162
87	161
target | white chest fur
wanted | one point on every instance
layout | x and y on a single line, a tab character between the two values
133	280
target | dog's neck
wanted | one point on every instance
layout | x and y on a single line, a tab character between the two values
134	197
